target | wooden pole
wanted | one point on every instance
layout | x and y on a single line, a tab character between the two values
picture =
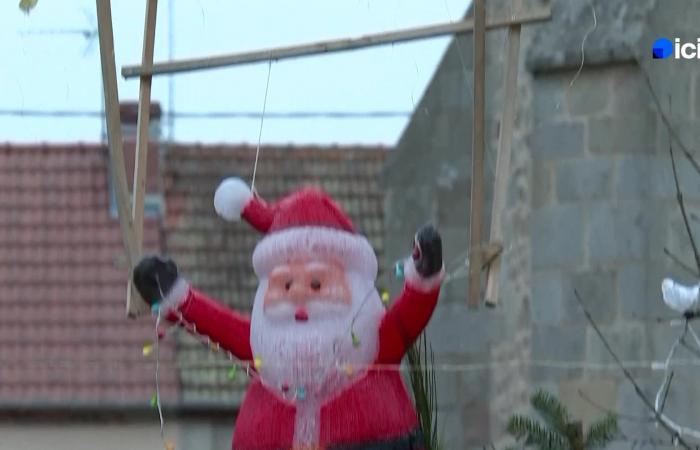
114	127
504	155
134	304
330	46
477	194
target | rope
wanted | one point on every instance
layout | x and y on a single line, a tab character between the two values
262	120
583	44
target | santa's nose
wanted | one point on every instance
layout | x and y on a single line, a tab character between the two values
301	315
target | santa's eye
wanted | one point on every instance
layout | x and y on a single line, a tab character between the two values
288	284
316	284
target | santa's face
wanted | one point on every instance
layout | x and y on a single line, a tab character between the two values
305	315
296	289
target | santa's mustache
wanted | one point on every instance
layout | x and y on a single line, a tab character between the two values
316	309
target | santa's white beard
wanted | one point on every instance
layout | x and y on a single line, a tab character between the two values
316	358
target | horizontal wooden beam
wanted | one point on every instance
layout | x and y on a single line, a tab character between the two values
332	46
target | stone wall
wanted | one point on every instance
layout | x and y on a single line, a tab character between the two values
591	207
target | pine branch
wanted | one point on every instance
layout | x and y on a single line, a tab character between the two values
535	434
551	410
602	432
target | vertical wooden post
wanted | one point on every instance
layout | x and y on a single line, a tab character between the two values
134	304
114	126
477	193
504	154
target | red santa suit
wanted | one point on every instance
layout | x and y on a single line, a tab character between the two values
373	410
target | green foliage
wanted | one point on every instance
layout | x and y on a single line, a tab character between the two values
27	5
422	376
559	431
551	410
535	434
601	432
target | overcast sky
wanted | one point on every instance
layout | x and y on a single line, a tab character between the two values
49	64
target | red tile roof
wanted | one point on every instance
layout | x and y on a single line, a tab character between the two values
216	255
63	332
64	338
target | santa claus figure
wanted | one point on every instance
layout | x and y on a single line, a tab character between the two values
324	348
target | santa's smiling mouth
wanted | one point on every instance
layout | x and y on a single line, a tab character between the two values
301	315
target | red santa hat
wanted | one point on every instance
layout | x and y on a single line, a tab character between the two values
306	223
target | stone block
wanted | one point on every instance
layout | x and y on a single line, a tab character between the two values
661	179
696	101
598	294
557	237
629	90
632	291
633	133
542	184
557	139
627	339
476	415
451	428
453	199
448	388
454	329
590	94
555	343
583	179
548	97
617	232
633	177
548	294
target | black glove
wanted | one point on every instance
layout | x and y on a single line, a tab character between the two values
427	251
154	276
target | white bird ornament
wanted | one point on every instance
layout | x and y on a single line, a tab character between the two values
679	297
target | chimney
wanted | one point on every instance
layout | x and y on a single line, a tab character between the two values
128	111
129	115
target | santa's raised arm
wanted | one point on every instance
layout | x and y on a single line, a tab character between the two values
327	349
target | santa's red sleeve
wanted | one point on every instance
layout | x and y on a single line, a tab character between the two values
210	318
408	315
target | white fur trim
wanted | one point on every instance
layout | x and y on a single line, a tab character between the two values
351	250
231	197
417	281
178	294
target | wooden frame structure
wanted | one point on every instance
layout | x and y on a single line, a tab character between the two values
130	209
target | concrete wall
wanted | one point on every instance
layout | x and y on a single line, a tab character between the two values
205	433
591	207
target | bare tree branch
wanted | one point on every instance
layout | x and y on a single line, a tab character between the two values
637	389
629	417
671	131
666	391
681	203
680	263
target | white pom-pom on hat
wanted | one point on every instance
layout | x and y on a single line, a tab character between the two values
231	197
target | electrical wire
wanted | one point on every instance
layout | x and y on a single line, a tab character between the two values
197	115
